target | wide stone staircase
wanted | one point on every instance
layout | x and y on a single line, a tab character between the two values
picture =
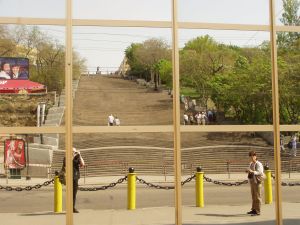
151	153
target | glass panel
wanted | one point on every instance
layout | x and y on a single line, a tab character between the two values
225	77
290	9
27	167
230	11
223	158
129	76
32	8
290	163
32	75
289	77
125	10
107	160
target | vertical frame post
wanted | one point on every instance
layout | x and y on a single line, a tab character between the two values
276	131
176	115
68	115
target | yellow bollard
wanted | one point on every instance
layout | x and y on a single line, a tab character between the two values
57	195
131	189
199	188
268	187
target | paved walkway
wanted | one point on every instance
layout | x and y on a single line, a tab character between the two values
294	177
208	215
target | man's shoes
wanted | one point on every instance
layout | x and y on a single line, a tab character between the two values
251	212
255	214
75	211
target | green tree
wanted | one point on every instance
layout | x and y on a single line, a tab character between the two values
244	92
149	54
165	72
136	68
200	60
290	17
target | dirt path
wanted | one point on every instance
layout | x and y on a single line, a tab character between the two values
98	97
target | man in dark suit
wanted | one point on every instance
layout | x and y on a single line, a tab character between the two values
78	162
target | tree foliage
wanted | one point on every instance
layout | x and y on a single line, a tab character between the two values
290	17
144	59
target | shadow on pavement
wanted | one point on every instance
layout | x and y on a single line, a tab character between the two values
223	215
270	222
42	214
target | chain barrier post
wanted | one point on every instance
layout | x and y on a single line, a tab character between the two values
57	194
131	189
199	188
268	186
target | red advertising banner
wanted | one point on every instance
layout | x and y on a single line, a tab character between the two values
14	153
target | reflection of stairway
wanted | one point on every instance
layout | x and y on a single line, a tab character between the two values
159	162
289	163
97	97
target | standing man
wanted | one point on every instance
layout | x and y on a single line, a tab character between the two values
185	119
255	176
78	163
111	120
294	145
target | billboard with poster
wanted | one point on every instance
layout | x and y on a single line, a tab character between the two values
14	153
14	68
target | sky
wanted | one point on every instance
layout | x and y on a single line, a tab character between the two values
104	46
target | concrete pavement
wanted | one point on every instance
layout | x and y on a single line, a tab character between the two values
293	177
211	214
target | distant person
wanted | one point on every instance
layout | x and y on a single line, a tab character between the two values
17	75
78	162
111	120
294	145
185	119
210	116
198	118
203	118
5	71
182	98
192	119
282	149
255	176
117	121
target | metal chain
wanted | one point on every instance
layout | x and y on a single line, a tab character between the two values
189	179
142	181
101	188
27	188
225	183
287	183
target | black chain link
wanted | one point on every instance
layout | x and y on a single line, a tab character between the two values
27	188
101	188
287	183
142	181
238	183
189	179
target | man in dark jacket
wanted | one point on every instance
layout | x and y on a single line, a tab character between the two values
78	162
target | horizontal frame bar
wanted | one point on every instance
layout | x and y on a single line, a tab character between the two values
146	129
32	130
144	23
32	21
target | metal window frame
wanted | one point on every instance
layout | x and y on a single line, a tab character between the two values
69	129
